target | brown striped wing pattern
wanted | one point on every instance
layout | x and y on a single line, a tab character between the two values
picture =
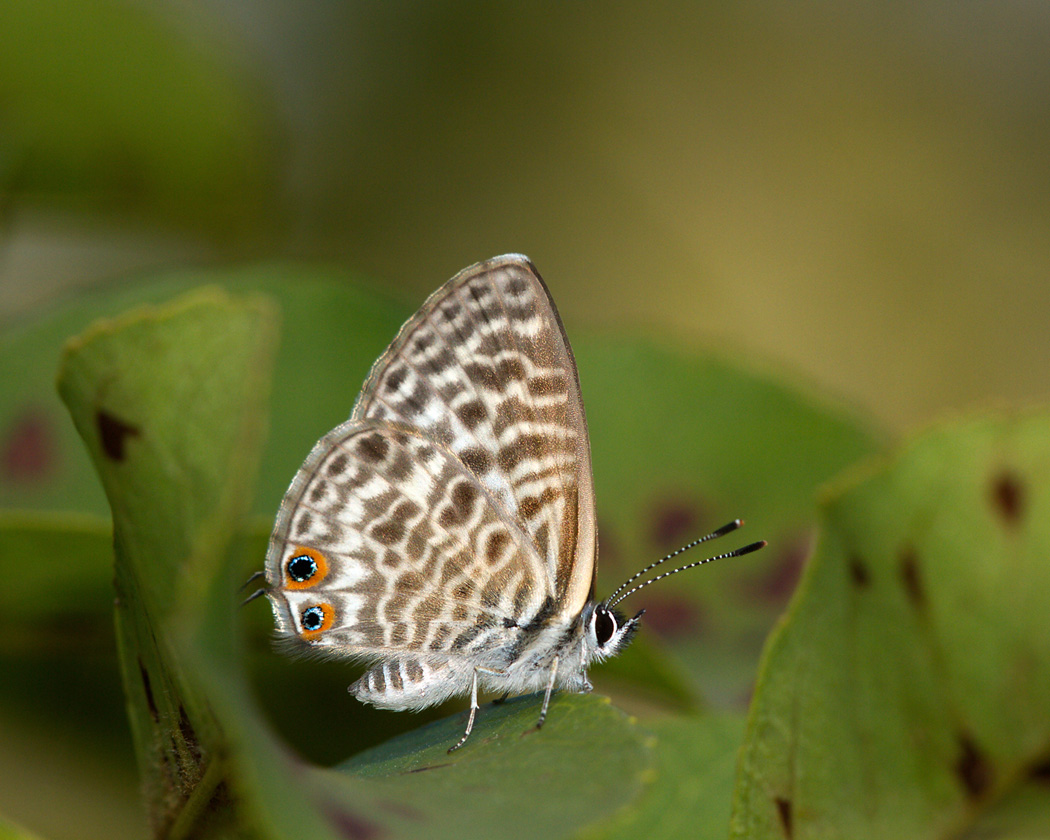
484	369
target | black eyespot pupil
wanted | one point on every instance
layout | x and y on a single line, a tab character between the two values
604	626
302	568
313	618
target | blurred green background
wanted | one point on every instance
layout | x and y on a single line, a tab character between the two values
855	190
855	194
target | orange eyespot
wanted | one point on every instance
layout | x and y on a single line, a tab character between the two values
315	620
305	567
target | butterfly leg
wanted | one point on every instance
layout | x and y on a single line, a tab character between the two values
547	693
474	702
473	713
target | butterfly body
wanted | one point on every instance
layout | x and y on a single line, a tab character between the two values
445	534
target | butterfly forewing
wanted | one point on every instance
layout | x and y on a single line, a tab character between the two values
484	369
406	551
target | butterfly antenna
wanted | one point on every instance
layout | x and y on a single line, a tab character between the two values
739	552
257	593
714	535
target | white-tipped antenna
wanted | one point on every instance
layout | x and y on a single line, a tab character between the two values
612	600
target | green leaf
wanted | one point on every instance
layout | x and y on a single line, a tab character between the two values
587	762
907	689
692	784
1022	814
170	404
682	443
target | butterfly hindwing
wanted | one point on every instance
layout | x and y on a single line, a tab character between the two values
396	548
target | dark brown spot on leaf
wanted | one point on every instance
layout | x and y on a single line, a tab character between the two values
858	572
147	689
1041	772
113	433
352	826
190	742
784	812
673	615
775	583
972	767
674	524
911	577
1008	497
29	448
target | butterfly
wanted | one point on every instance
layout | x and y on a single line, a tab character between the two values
445	534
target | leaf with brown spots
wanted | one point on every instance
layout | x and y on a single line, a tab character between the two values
212	766
910	682
191	474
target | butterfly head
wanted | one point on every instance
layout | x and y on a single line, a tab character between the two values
608	631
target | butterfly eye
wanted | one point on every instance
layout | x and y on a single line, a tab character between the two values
315	620
305	568
604	625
